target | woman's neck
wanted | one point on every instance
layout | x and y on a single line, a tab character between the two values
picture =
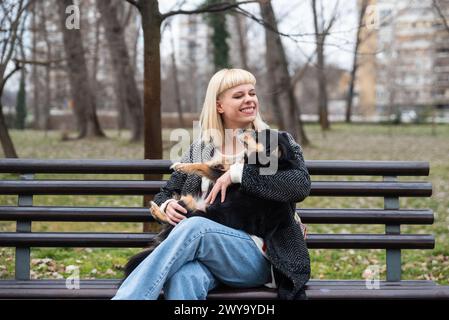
232	144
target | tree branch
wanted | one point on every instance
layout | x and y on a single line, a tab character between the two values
437	7
216	7
37	62
5	79
133	3
333	19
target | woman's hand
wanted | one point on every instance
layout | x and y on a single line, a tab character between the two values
171	211
220	185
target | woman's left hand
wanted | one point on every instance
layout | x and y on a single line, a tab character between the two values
220	185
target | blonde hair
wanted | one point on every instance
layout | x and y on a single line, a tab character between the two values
211	124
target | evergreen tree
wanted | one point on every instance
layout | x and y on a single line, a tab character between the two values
220	34
21	105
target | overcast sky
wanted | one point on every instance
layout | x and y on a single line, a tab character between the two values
296	18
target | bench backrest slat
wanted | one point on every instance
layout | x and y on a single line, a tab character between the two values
315	167
138	187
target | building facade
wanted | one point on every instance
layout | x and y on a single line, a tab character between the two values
404	62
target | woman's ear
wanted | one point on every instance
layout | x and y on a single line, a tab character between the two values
219	107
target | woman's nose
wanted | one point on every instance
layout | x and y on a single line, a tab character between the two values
249	98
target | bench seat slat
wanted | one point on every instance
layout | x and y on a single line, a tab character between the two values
315	289
134	214
113	283
139	187
314	241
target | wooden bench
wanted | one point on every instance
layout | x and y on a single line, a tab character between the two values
389	188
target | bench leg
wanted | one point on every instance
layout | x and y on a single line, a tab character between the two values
22	268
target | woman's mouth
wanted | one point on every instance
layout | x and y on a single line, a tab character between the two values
248	110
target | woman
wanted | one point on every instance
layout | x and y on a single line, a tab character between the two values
199	253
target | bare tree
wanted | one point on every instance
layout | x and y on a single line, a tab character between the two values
240	24
322	29
125	82
442	7
176	80
45	108
152	19
350	95
83	97
11	14
34	71
286	109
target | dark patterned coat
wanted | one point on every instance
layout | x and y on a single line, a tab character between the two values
286	248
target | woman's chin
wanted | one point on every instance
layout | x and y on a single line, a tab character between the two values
249	118
246	123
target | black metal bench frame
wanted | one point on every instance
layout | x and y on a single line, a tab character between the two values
390	189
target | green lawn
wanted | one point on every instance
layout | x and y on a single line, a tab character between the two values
356	142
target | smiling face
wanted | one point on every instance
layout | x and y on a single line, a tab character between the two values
238	106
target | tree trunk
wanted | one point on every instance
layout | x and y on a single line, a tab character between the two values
286	109
34	69
45	108
96	58
151	26
241	33
350	96
322	87
123	70
192	66
84	104
321	76
177	91
7	144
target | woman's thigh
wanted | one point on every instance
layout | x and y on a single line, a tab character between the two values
231	255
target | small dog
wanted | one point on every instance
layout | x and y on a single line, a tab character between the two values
242	211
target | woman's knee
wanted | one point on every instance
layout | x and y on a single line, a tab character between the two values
191	281
198	224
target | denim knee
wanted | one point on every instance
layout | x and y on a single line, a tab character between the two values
191	281
196	224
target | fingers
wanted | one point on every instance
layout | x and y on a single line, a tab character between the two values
214	192
212	195
174	217
178	207
223	193
172	212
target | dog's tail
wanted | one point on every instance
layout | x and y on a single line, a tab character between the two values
135	260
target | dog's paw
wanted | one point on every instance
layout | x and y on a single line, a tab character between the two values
182	167
157	214
175	165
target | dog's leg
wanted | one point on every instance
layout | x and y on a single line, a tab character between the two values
157	213
192	204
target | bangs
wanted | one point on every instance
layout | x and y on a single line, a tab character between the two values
235	77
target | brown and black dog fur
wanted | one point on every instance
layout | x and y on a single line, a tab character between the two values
240	210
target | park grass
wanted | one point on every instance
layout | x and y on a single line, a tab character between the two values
355	142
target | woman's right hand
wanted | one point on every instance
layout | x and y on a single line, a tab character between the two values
171	211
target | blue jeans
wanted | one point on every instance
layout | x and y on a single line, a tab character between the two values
196	256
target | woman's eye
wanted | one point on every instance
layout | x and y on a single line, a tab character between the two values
252	94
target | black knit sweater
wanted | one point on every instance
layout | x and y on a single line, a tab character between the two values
286	248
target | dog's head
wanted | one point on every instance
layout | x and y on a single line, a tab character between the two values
265	146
